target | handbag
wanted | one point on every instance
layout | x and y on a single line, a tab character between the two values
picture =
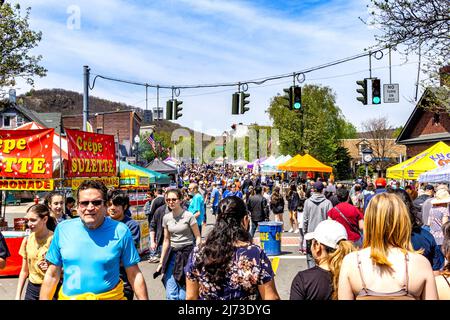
352	226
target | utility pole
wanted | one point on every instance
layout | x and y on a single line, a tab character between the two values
85	96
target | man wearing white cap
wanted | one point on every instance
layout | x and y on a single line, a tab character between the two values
329	247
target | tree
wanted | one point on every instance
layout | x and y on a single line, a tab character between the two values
316	130
16	42
343	169
162	142
380	135
421	26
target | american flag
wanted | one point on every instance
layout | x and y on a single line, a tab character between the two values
151	141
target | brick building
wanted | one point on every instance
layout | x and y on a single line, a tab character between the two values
430	119
123	124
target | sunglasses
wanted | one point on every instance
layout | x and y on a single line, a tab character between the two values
171	199
96	203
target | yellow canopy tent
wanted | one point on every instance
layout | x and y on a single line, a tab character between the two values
285	165
435	156
305	163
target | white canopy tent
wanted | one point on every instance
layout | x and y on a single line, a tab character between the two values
440	174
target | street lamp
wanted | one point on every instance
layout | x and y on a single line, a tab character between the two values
137	139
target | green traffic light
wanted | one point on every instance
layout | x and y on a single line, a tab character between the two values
297	105
376	100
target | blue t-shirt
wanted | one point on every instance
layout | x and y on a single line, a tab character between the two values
216	197
91	258
197	204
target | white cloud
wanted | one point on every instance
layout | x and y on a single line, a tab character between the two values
203	41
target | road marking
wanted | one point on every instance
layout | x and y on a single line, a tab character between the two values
288	257
275	262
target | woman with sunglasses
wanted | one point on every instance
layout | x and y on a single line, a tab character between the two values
227	266
180	227
33	251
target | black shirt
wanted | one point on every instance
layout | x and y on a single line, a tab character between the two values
4	252
312	284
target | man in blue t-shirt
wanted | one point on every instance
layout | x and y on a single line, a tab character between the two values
197	205
90	251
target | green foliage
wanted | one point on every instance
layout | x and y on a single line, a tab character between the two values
343	169
16	42
146	151
397	132
361	172
322	121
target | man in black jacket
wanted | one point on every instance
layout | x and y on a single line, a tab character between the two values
257	205
157	233
156	203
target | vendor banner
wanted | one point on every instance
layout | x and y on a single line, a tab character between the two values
107	181
26	153
90	154
27	184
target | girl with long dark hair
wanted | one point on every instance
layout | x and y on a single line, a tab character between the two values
227	266
277	205
293	201
33	250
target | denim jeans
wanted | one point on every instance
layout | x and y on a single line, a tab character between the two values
174	291
156	252
253	228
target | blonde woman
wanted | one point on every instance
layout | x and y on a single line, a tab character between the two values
387	268
329	247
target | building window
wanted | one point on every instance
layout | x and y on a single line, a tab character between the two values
99	130
6	121
436	119
19	121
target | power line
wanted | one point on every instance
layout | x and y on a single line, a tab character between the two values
258	81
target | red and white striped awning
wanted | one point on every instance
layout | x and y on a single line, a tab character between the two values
56	140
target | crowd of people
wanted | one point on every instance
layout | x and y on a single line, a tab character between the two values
364	240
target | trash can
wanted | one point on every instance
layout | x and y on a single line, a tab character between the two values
270	237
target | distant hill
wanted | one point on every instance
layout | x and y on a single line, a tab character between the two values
71	103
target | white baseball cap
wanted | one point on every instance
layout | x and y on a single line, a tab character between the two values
328	233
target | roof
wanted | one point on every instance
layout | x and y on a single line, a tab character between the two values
417	114
159	166
47	120
392	148
435	137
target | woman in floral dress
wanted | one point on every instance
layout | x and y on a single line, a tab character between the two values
227	266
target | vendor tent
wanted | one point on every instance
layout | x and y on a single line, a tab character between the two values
128	170
241	163
285	165
159	166
305	163
440	174
56	140
435	156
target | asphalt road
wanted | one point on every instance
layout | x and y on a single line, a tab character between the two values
286	265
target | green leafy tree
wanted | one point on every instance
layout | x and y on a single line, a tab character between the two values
162	142
414	27
343	169
316	130
16	42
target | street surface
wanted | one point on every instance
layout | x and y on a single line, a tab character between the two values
285	265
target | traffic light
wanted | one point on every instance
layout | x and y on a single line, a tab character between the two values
235	103
297	100
243	102
169	110
288	96
177	109
362	91
376	91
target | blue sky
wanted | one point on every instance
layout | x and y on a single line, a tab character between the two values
184	42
